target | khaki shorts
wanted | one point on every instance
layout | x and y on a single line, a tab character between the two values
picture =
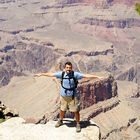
69	103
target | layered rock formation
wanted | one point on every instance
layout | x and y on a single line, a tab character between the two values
131	74
121	23
101	3
126	114
6	1
92	93
20	57
100	24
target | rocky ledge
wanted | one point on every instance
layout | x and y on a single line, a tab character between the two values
18	130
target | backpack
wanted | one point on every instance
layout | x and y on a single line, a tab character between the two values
71	77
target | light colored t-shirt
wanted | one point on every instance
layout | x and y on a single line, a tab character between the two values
68	83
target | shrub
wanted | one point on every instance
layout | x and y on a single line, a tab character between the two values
2	120
137	7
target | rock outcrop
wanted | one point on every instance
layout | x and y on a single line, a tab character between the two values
91	93
131	74
89	131
101	107
6	113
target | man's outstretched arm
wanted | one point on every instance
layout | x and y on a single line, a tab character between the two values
92	76
49	74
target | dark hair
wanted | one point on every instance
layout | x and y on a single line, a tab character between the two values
68	63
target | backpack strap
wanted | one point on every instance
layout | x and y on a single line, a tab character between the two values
62	77
63	73
75	80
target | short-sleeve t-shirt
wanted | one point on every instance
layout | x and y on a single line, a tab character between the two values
68	83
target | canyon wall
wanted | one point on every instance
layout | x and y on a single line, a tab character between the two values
91	93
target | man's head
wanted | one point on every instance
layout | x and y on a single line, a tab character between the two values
68	67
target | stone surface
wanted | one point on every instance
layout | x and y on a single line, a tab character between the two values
15	129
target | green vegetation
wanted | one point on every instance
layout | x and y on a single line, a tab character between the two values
137	7
2	120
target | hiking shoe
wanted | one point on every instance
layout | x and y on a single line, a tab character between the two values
59	123
78	128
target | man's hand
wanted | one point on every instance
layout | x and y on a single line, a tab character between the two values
38	74
49	74
101	78
93	76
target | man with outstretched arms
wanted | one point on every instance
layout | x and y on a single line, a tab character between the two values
68	93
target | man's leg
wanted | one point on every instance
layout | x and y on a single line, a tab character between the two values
77	117
63	107
62	113
60	121
74	107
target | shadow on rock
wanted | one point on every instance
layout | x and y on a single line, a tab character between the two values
84	124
